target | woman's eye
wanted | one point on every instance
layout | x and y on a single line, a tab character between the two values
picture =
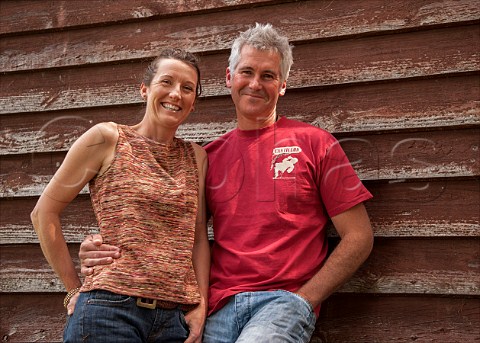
166	82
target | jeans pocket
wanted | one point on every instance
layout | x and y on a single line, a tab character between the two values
306	311
301	299
182	320
105	298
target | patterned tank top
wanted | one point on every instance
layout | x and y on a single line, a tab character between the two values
146	204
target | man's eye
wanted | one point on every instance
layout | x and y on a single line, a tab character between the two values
166	82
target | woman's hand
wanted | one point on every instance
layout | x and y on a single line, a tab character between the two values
71	304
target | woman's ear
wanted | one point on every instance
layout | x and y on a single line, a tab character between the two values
143	91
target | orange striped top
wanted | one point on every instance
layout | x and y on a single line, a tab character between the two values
146	204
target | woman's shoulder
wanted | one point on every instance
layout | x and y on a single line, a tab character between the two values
105	132
199	150
202	162
108	128
200	155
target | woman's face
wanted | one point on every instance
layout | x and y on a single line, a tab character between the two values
171	94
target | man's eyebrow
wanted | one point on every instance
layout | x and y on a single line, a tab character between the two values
270	71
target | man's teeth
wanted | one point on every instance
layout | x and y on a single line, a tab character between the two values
171	107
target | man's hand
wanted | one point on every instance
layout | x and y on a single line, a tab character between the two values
94	253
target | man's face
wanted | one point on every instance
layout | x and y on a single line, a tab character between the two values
256	86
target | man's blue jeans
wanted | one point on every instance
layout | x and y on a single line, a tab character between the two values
262	317
102	316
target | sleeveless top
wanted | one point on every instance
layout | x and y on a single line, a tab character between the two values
146	204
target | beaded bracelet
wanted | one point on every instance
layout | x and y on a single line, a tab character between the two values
69	296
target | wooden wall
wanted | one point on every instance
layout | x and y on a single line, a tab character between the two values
396	81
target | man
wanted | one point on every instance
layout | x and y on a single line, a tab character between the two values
272	185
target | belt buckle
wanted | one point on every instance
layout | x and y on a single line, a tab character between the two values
147	303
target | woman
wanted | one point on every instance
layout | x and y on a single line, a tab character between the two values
147	191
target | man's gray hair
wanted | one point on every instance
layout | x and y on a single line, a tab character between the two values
263	37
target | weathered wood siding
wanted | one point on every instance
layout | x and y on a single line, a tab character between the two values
396	81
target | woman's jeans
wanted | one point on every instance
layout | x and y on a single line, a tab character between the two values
262	317
102	316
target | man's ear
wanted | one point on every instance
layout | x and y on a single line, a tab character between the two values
228	78
283	88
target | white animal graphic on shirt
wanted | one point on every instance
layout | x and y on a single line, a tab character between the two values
287	165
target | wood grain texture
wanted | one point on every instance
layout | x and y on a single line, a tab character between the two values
343	318
320	64
432	208
32	16
395	157
400	105
417	266
32	318
397	82
211	32
352	318
399	266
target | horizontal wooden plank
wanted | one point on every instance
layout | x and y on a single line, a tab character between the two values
434	266
396	157
34	15
306	20
343	318
416	266
399	105
404	156
349	318
441	208
16	227
29	261
32	317
317	64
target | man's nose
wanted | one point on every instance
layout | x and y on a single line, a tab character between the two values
255	83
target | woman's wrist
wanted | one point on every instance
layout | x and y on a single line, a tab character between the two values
69	296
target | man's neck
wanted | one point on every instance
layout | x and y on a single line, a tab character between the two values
256	124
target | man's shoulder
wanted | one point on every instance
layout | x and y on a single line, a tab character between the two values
306	128
219	142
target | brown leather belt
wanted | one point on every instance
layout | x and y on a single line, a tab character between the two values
166	305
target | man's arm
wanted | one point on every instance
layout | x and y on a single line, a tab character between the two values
196	318
356	242
94	253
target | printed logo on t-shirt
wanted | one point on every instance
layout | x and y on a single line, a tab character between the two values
283	163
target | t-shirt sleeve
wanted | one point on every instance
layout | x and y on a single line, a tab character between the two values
340	186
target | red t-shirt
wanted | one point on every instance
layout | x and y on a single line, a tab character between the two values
271	192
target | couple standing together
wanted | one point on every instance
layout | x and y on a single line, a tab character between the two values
270	187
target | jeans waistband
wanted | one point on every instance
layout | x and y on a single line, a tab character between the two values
166	305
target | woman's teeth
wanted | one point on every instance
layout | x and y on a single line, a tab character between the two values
171	107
